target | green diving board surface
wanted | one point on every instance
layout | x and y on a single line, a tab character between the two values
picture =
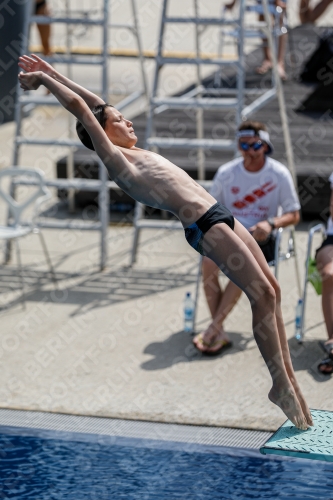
316	443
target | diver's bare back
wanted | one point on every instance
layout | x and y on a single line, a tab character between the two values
159	183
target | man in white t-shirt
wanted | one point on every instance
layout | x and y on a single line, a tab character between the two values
260	193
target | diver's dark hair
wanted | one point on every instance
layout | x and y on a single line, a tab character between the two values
100	115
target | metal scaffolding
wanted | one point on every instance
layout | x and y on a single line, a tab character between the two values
216	98
102	185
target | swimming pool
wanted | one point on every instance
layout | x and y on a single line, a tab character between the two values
42	464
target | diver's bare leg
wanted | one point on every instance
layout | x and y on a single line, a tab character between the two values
255	250
229	251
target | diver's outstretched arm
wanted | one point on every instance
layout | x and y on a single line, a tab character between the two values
34	63
119	168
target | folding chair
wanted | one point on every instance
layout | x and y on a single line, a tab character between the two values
316	229
17	228
280	256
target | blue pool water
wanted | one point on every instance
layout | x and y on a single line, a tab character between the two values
46	465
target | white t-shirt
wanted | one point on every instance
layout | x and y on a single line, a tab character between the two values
329	229
254	196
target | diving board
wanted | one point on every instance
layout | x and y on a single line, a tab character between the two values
316	443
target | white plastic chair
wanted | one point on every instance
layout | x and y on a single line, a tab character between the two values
280	256
17	228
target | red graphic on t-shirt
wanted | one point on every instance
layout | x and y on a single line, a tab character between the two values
239	204
256	193
250	198
259	193
235	190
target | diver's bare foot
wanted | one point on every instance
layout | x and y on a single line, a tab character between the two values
211	340
287	400
302	402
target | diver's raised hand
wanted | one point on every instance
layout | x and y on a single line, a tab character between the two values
34	63
30	81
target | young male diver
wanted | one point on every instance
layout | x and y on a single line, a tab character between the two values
209	227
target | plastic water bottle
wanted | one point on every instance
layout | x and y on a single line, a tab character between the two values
188	312
298	320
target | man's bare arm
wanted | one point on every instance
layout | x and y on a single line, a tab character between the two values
309	14
33	63
262	230
287	219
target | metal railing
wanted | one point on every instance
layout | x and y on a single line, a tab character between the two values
31	100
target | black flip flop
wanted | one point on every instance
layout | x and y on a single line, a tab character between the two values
327	362
327	348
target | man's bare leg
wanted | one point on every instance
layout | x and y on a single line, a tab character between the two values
44	31
266	65
220	303
281	56
211	284
325	267
310	15
229	250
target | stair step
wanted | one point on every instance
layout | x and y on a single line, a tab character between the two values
177	143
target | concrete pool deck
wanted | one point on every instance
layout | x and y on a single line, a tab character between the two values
111	343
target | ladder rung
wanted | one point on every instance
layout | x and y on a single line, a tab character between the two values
93	60
260	10
232	91
248	33
158	224
205	103
175	143
50	100
70	224
130	27
48	142
195	60
76	183
65	20
202	20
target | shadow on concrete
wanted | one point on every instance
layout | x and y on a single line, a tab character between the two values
307	356
90	290
178	348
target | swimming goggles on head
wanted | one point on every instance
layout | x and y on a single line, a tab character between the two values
255	145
